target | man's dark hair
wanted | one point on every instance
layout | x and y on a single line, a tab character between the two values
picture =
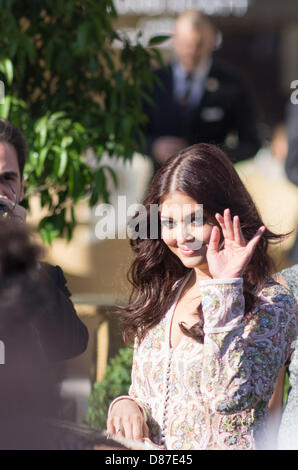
12	135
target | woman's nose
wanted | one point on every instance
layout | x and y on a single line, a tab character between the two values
183	234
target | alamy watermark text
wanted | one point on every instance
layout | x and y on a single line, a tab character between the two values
2	353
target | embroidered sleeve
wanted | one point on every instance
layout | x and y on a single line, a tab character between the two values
137	389
243	356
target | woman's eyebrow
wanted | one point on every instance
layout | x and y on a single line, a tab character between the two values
197	213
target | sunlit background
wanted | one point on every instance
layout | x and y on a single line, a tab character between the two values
260	38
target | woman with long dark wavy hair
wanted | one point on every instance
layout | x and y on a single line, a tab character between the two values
210	328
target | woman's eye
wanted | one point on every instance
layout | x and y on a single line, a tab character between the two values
167	223
197	221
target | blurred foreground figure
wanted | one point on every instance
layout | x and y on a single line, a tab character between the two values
29	401
62	333
199	99
27	393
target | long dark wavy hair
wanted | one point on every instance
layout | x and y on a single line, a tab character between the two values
206	174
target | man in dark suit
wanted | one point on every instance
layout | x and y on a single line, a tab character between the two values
62	334
197	99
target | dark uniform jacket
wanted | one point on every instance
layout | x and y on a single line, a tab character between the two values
225	107
62	334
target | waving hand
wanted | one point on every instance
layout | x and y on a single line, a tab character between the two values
231	261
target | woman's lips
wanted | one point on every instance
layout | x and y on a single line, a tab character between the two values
187	251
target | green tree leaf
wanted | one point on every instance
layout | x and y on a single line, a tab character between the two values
6	67
63	163
156	40
5	107
69	90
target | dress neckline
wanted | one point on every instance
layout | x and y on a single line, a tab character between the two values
172	313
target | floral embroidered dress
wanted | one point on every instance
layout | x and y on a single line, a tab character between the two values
288	431
215	395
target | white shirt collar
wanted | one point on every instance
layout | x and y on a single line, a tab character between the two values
201	71
197	84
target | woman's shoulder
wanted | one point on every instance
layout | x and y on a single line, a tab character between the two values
272	300
273	316
275	291
289	277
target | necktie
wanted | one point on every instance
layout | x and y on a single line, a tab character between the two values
185	99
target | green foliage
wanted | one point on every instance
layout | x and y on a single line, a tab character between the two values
116	382
286	389
69	89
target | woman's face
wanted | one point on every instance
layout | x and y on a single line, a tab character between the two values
184	230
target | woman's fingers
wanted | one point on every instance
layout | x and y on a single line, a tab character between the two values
128	428
255	239
213	244
134	428
114	426
138	428
231	229
221	222
110	427
238	236
232	260
228	225
237	230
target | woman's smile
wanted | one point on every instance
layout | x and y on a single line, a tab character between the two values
186	251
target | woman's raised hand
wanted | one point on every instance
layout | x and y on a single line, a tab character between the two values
231	261
126	419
